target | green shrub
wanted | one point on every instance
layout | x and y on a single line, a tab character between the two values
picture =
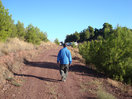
112	55
56	41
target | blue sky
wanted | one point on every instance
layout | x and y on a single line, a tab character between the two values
62	17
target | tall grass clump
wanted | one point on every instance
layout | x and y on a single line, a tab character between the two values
102	94
111	54
14	45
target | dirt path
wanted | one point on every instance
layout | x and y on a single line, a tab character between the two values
42	80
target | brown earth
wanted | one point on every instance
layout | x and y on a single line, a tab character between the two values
40	79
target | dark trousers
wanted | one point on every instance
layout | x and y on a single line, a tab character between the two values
64	68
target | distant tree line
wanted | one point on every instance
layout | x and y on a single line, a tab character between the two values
90	34
10	30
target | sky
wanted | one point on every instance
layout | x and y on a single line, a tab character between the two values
59	18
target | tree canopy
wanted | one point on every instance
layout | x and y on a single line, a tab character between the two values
9	30
90	33
112	54
5	23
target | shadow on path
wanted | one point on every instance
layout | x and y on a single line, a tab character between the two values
85	71
41	78
81	69
54	55
48	65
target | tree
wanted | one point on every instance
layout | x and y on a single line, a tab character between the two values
56	41
76	36
86	35
14	30
9	29
107	29
107	25
91	30
31	35
20	30
5	23
69	38
42	36
112	55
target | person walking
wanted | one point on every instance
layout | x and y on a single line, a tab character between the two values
64	60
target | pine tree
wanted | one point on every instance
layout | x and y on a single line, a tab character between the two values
76	36
31	35
5	23
20	30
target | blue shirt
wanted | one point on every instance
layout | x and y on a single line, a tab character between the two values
64	56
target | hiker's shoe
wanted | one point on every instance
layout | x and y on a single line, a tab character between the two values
64	80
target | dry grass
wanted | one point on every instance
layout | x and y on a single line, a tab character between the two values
113	82
91	86
96	87
75	54
123	87
4	74
14	45
14	66
52	90
47	45
83	87
15	81
102	94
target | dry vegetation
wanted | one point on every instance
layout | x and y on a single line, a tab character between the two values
12	54
75	54
97	88
124	88
14	45
47	45
102	94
